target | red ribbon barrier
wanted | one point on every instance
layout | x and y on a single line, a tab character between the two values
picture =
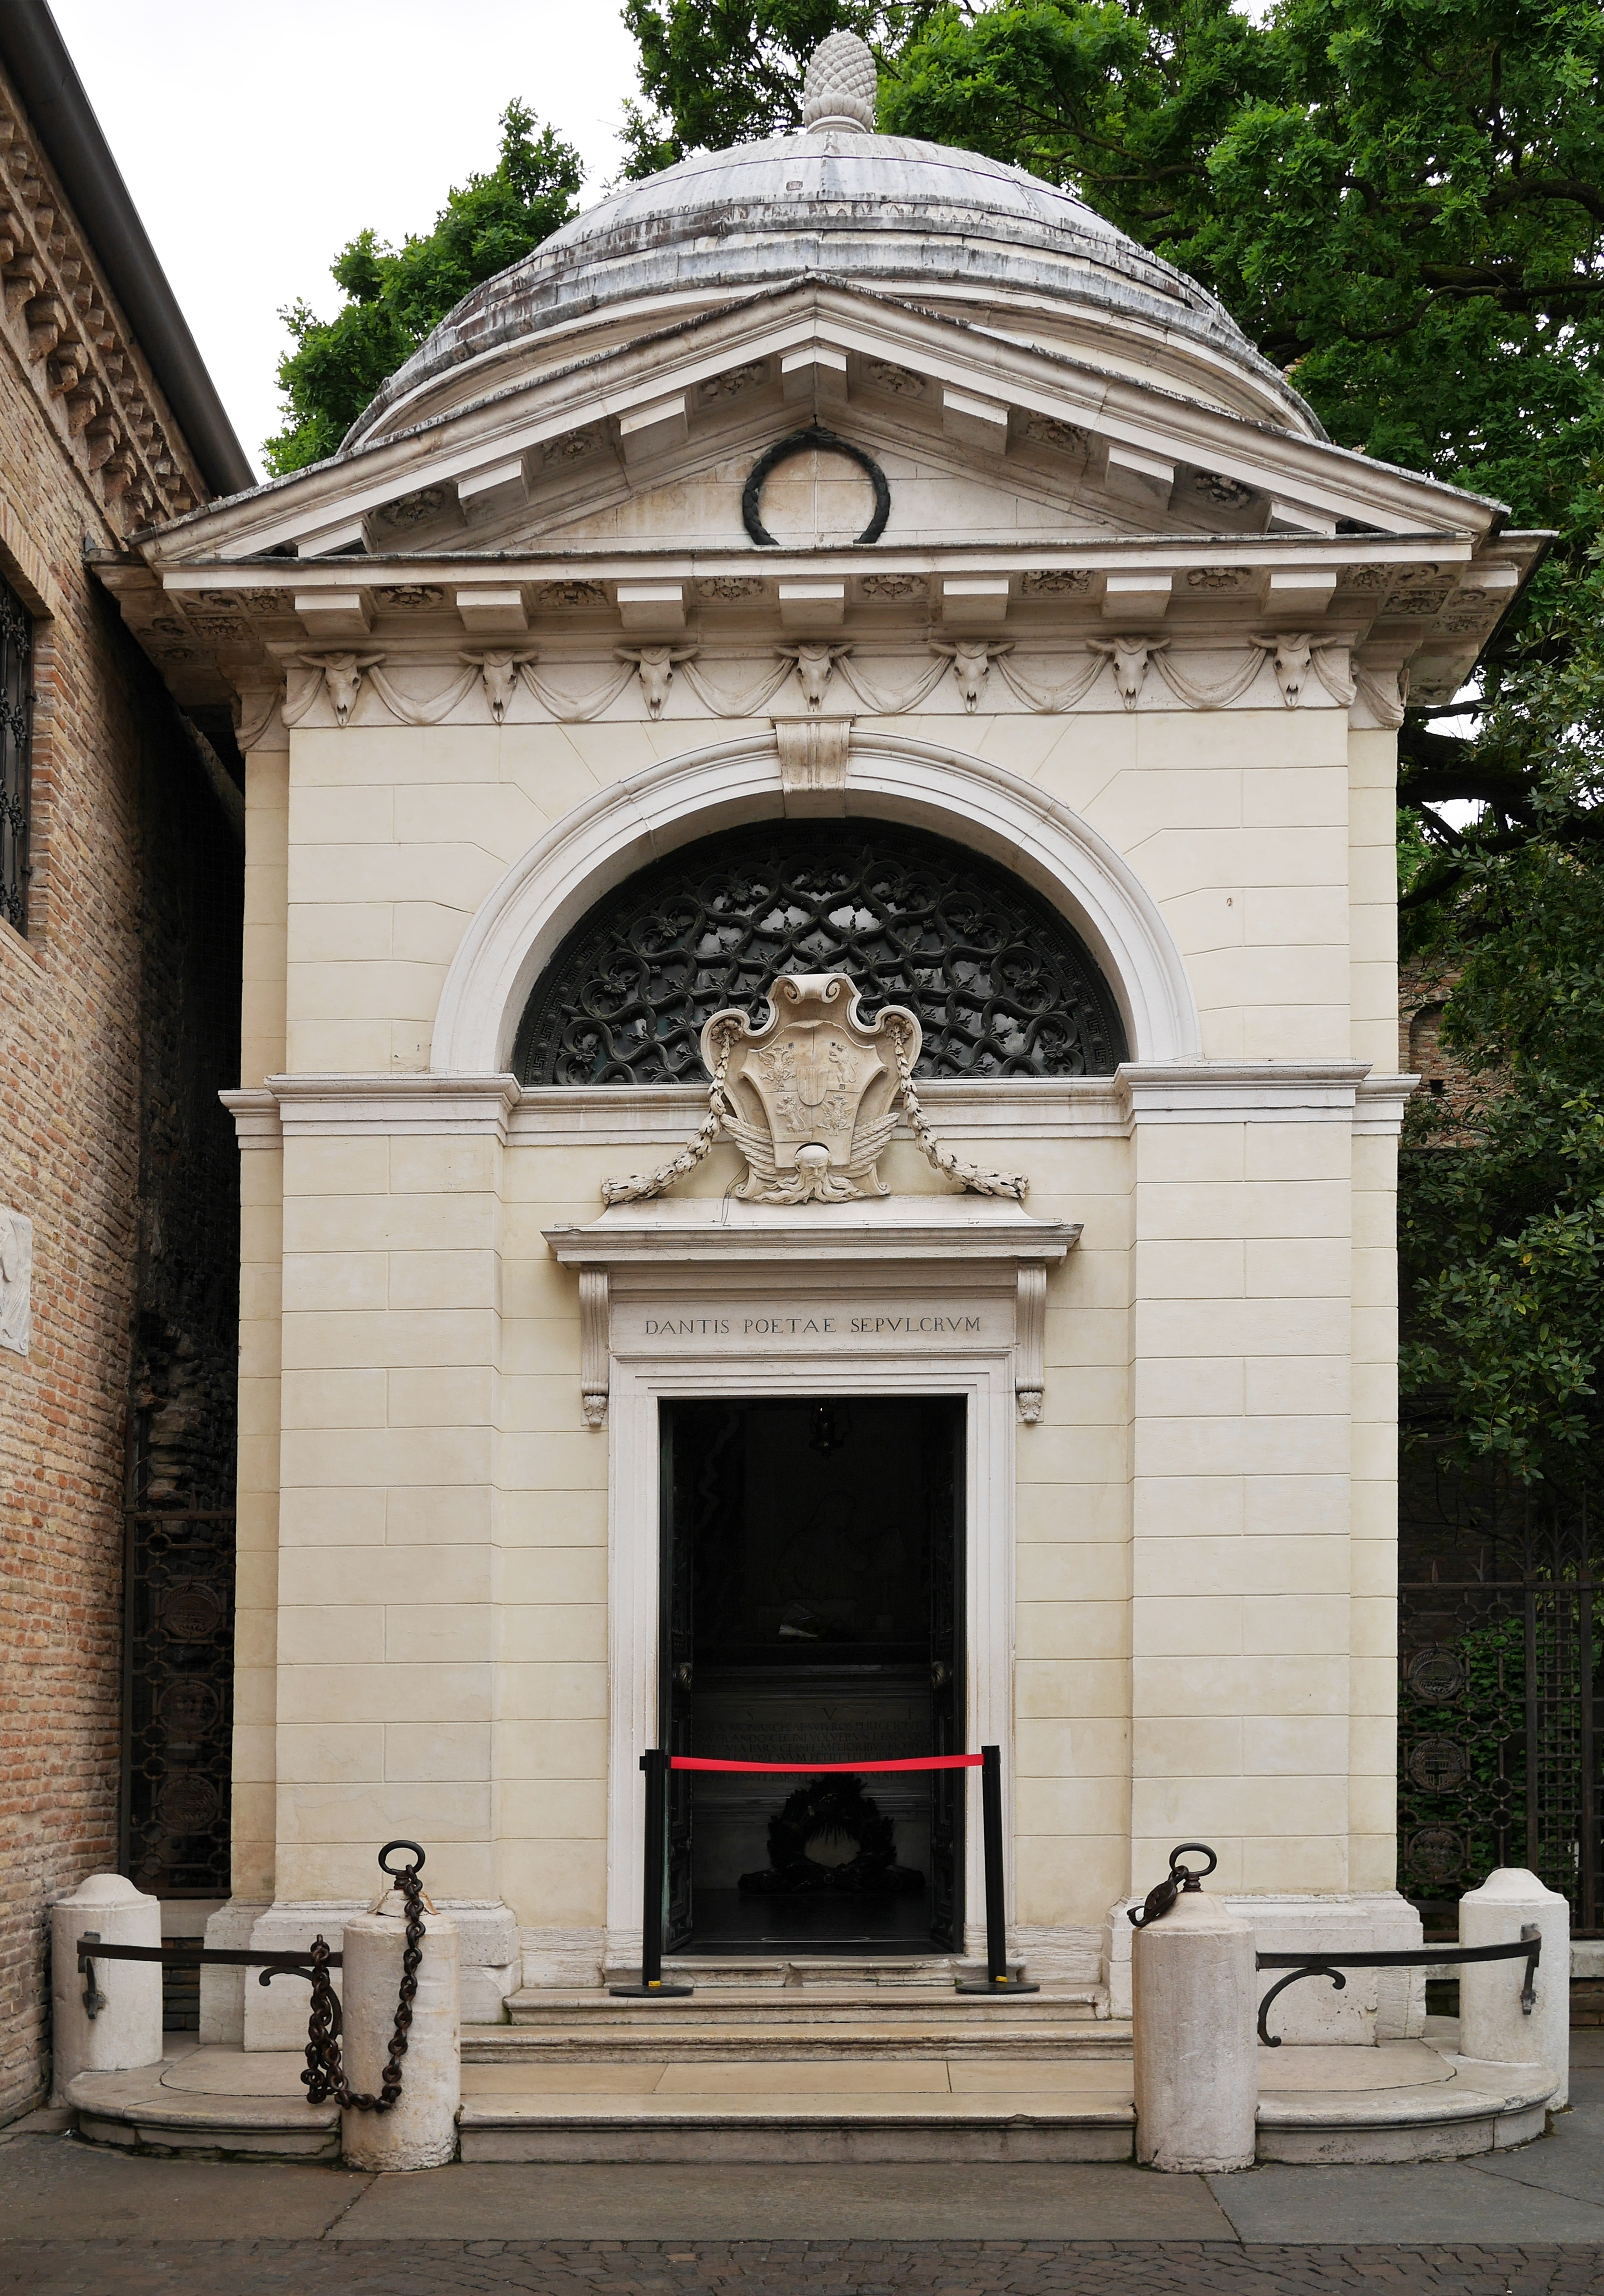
816	1769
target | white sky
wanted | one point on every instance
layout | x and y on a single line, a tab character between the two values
256	141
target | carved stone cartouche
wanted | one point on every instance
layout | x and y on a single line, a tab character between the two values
811	1099
811	1096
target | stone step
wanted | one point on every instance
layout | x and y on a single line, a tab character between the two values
832	1974
715	2004
677	2040
244	2109
736	2111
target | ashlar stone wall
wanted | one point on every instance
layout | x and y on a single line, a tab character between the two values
1204	1517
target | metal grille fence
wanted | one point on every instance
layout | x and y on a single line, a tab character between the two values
179	1706
16	737
1499	1656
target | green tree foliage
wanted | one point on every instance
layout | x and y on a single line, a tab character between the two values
1502	1213
394	295
1402	201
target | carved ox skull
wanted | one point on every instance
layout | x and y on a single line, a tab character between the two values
342	676
815	665
1128	658
656	664
971	659
500	673
1293	659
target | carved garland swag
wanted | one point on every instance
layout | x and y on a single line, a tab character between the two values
1295	657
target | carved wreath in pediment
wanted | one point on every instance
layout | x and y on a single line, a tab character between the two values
811	1097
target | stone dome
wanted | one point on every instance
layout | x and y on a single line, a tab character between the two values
960	232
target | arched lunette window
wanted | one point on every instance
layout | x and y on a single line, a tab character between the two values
1002	984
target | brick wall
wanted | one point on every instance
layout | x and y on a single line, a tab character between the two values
109	755
1423	992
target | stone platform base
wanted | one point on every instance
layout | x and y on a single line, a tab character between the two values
1420	2102
219	2102
819	2096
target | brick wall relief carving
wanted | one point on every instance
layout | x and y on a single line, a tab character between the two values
16	1282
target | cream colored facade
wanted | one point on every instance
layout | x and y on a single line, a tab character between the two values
1133	630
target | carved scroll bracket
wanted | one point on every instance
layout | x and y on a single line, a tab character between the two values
595	1344
1030	1335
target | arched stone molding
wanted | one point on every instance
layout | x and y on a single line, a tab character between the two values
542	896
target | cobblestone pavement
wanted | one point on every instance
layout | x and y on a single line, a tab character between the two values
144	2267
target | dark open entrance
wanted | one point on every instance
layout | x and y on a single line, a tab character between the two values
811	1569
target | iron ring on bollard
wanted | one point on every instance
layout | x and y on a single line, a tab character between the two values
1162	1897
324	2076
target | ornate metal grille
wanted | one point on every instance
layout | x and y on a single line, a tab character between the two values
16	730
178	1648
1499	1641
181	1572
1002	985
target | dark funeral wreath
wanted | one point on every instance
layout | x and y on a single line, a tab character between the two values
832	1810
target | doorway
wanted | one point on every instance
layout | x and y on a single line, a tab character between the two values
811	1612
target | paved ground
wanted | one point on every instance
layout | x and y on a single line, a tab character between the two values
78	2222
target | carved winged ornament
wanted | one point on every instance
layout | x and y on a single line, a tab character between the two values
811	1098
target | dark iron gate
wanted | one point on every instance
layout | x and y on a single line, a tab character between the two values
1499	1633
178	1638
178	1704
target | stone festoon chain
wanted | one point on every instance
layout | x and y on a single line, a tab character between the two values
324	2076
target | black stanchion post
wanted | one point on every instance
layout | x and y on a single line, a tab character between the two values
654	1762
997	1979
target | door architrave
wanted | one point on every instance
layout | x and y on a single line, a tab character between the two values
984	1380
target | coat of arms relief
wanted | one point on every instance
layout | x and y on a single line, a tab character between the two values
811	1097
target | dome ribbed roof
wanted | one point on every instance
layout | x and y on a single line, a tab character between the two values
904	217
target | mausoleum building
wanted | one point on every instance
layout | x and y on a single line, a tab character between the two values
819	1102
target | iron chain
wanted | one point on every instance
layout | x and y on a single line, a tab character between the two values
324	2076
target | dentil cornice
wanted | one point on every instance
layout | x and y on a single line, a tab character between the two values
64	326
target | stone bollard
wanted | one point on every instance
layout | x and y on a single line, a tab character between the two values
126	2033
421	2130
1492	2025
1193	2003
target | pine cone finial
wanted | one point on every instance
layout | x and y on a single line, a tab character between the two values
841	84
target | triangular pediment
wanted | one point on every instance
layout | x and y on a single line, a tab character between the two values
1047	483
730	457
548	455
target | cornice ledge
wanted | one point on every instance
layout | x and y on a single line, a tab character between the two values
1241	1092
1381	1103
256	1115
416	1104
969	1107
75	349
673	1231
